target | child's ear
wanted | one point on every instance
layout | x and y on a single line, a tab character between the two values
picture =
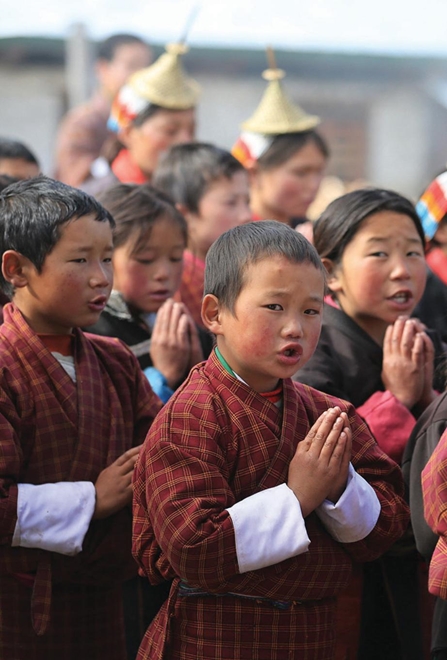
333	280
186	213
14	268
211	314
125	134
253	171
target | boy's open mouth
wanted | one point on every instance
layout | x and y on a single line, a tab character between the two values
401	297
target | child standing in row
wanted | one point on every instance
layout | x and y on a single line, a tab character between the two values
253	493
73	410
374	355
149	241
210	188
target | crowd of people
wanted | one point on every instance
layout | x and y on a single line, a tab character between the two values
222	426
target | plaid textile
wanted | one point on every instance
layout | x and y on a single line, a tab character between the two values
434	481
52	430
191	286
217	442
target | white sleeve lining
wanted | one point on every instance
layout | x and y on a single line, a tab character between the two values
54	517
355	514
269	528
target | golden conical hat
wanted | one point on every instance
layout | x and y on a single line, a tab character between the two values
277	114
165	83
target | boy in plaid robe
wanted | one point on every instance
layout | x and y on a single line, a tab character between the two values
252	492
73	410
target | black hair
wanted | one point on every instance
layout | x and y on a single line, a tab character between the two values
187	171
107	48
230	255
10	149
135	209
32	212
285	146
343	217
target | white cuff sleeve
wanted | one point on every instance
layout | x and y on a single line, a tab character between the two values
355	514
54	517
268	527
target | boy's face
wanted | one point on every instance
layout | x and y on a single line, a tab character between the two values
75	282
223	206
276	322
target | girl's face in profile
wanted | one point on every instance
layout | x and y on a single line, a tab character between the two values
147	276
382	272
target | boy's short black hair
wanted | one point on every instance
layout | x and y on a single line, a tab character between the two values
11	149
187	171
231	254
135	209
107	49
32	212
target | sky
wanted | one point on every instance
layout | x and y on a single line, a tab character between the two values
381	26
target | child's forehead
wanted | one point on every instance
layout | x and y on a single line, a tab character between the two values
274	265
84	228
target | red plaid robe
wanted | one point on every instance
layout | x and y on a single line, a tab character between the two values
434	480
215	443
52	429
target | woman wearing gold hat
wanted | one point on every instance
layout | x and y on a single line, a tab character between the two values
285	155
153	111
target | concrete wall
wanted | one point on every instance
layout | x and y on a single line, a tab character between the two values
32	102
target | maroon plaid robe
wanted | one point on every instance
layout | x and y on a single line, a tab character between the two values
434	480
51	430
216	442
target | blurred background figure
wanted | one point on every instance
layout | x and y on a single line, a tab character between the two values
284	154
83	131
152	112
16	160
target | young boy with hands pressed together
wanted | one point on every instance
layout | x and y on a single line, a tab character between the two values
254	493
73	411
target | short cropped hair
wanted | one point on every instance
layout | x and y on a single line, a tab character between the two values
230	255
187	171
107	48
32	212
342	218
135	209
11	149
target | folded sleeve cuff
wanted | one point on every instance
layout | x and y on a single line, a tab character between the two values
54	517
355	514
269	528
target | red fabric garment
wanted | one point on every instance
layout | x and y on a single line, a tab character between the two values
216	442
52	430
191	286
434	480
390	422
126	170
437	261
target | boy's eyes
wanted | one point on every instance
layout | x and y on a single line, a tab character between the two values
274	307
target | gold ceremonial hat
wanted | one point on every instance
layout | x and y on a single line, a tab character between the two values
165	83
277	114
